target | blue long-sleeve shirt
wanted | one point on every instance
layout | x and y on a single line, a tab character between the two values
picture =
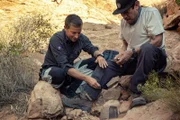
62	52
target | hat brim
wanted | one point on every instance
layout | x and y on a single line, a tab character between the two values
118	11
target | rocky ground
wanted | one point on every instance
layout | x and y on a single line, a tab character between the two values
102	28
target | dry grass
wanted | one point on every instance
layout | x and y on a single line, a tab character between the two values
17	74
16	77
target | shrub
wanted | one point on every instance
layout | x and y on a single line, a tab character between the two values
4	33
16	78
166	88
178	2
173	96
155	88
17	75
29	33
173	99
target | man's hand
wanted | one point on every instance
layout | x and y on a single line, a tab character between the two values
92	82
123	57
101	61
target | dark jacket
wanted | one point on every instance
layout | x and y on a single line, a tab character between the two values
62	52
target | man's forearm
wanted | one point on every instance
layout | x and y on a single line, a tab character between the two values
96	53
124	46
76	74
157	40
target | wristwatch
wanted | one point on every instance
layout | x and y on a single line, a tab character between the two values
100	55
134	52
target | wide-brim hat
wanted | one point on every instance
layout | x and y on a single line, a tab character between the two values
123	5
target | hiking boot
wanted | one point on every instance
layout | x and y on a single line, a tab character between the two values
77	103
137	100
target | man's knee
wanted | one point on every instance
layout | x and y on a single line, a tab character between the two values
57	73
147	47
54	75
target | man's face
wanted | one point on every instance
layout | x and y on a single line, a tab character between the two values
130	14
73	32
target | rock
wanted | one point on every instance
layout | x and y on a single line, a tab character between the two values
153	111
178	29
172	7
124	106
111	94
172	17
175	116
124	81
110	110
74	113
172	43
78	114
108	26
113	82
171	20
124	94
45	102
96	110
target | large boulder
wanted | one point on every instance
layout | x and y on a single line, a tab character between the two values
45	102
172	7
172	17
171	20
172	43
153	111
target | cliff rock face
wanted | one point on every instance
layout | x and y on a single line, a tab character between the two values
172	7
172	17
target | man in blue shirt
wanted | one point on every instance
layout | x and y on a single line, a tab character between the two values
64	47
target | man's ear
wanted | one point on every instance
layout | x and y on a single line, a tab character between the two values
137	4
65	27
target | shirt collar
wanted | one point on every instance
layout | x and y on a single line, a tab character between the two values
139	12
67	40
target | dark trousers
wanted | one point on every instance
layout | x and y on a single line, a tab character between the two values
149	58
69	84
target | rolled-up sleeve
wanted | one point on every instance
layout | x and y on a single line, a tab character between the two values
59	53
154	23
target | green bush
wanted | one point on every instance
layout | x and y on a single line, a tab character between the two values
173	96
163	88
178	2
155	88
29	33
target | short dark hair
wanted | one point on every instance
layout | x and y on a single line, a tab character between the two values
73	20
133	4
